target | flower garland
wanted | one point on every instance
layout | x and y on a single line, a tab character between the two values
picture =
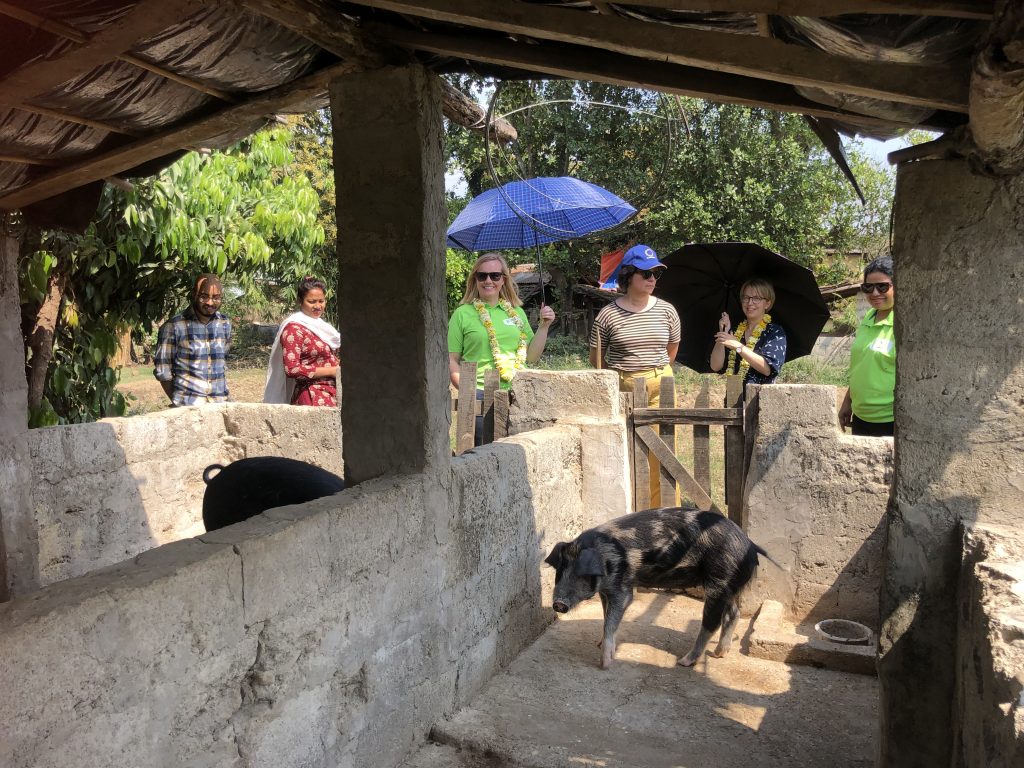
504	370
751	343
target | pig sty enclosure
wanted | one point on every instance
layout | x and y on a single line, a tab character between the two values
339	632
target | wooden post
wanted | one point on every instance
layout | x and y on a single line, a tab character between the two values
492	381
702	442
465	424
501	414
734	453
667	432
641	472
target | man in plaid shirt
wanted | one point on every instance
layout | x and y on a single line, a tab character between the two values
192	347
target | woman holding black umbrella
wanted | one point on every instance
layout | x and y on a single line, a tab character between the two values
757	349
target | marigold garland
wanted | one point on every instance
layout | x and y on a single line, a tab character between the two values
751	343
504	371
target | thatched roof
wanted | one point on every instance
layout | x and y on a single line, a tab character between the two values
100	89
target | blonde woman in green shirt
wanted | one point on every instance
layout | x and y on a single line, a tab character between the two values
490	328
868	405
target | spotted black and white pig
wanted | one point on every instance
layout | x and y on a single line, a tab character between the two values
250	486
672	548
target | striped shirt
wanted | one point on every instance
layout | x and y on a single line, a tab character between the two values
636	341
191	355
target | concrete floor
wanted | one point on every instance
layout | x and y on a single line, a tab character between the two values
554	707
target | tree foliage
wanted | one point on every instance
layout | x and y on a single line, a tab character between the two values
238	213
735	174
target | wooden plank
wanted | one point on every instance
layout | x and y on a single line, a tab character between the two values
492	380
667	432
932	86
501	404
114	161
718	417
954	9
641	470
650	440
734	453
324	27
577	62
702	442
144	19
465	424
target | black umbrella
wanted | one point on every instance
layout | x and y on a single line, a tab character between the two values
703	280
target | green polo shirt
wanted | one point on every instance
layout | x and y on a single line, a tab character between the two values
467	338
873	369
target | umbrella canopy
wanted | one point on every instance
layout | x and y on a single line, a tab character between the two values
703	280
522	214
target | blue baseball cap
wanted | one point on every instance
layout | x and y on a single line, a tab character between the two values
641	257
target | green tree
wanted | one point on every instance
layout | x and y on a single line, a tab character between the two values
736	174
237	213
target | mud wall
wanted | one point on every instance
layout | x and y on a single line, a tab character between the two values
816	501
106	491
332	633
990	649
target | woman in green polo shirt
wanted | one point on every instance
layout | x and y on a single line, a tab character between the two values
868	406
489	327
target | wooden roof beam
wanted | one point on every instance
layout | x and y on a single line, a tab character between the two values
589	64
324	28
116	161
68	117
934	87
956	9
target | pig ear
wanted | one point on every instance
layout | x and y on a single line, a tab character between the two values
589	563
555	558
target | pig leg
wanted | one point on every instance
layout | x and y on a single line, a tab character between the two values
732	613
714	608
615	605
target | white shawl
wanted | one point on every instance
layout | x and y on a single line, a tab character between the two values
280	387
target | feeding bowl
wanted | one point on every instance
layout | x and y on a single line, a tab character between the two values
843	631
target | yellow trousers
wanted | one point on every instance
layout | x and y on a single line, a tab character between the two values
653	377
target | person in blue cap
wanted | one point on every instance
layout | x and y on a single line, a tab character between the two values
637	335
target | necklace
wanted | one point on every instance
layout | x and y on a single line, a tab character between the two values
505	370
750	343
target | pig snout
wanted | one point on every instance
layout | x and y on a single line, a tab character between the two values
560	607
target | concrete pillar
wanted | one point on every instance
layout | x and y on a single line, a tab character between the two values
389	172
959	418
18	567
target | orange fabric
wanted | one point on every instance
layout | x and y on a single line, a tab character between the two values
609	263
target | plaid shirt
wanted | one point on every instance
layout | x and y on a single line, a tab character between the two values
191	355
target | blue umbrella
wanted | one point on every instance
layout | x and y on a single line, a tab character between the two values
522	214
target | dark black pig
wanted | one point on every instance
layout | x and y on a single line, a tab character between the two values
250	486
672	548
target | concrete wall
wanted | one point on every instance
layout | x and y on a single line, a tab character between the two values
17	555
332	633
959	418
106	491
990	650
816	501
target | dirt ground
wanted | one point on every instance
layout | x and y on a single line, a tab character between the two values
554	707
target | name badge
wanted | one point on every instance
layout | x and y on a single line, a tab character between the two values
882	346
509	321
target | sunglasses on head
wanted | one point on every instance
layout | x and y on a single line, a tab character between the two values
646	274
492	276
880	288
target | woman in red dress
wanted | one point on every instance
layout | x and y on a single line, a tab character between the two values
304	361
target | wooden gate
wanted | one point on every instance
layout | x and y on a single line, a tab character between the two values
653	430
